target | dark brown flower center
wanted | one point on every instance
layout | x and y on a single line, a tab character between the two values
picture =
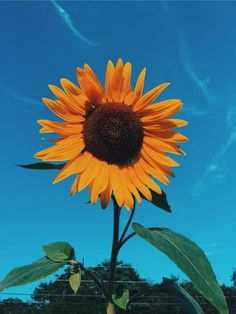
113	133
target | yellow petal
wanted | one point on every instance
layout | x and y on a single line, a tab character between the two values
128	198
94	78
89	173
63	128
139	184
65	149
69	104
167	135
69	87
126	89
60	110
159	156
130	99
164	124
89	87
74	187
155	172
140	83
117	81
116	184
149	97
132	188
145	178
100	182
76	165
108	80
161	110
165	169
106	196
162	145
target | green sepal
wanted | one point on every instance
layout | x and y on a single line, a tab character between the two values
42	166
159	200
59	252
189	258
122	301
189	303
30	273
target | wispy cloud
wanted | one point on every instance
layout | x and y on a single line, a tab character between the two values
195	111
68	21
216	168
17	98
202	84
231	117
186	60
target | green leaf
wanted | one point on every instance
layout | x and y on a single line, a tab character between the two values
30	273
189	303
189	258
123	300
159	200
74	281
59	251
42	166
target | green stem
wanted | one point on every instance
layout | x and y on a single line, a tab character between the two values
131	235
114	252
127	225
116	246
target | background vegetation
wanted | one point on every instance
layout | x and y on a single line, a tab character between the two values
145	297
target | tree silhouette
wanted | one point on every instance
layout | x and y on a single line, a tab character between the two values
57	297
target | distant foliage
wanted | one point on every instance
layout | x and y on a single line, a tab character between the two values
57	297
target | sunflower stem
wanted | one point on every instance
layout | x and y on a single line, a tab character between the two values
127	226
131	235
114	254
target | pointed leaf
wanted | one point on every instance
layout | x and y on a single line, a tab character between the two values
159	200
75	281
42	166
189	258
30	273
189	303
123	300
59	251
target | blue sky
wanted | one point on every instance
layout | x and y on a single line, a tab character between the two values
192	45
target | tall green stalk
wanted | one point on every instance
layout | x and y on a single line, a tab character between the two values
114	254
117	243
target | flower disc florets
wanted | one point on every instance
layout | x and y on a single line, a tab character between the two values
113	133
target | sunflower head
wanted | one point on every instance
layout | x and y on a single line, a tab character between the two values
113	133
114	139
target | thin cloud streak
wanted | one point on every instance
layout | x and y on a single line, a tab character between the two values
68	21
231	117
188	65
216	168
187	62
19	99
195	111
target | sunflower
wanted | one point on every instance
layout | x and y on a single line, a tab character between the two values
114	139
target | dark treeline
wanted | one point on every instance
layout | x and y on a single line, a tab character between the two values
145	297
